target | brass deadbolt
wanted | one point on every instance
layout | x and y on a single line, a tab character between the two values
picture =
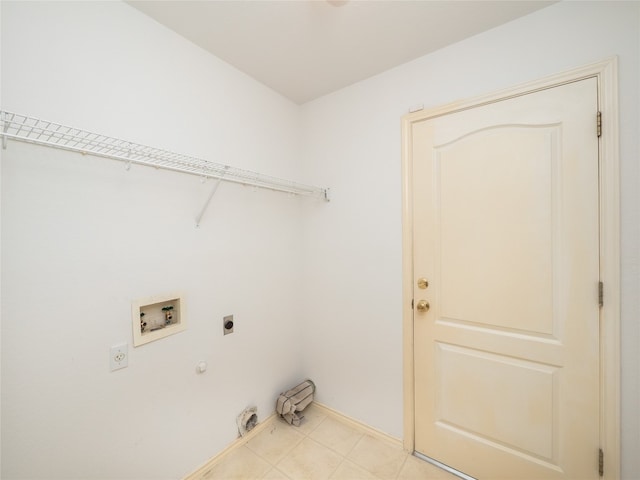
423	283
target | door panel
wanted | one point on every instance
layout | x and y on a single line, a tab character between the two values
505	202
480	232
506	392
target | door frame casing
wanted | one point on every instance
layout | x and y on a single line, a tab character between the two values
606	73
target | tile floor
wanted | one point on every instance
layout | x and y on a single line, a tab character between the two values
322	447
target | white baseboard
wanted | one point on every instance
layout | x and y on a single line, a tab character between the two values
330	412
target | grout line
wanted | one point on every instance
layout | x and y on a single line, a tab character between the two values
355	445
318	425
275	423
344	459
374	432
273	420
280	472
236	444
360	434
402	466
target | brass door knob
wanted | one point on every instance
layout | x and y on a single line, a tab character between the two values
422	306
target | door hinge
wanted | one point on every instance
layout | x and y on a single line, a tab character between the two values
600	294
601	463
599	124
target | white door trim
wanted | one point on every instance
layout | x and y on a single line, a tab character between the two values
607	74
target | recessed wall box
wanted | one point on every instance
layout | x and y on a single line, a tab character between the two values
157	317
227	324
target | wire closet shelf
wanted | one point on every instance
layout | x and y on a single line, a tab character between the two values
14	126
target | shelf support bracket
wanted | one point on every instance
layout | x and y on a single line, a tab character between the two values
206	205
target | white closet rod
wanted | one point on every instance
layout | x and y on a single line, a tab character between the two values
41	132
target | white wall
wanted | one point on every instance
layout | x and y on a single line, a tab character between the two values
353	247
82	237
0	253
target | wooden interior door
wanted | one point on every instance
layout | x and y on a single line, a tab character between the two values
506	234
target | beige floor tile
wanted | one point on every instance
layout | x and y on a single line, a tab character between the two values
313	417
336	435
310	460
382	459
275	474
240	464
351	471
416	469
275	441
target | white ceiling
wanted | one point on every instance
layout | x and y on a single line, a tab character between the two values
306	49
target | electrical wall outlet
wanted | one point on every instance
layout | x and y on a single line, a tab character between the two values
119	356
